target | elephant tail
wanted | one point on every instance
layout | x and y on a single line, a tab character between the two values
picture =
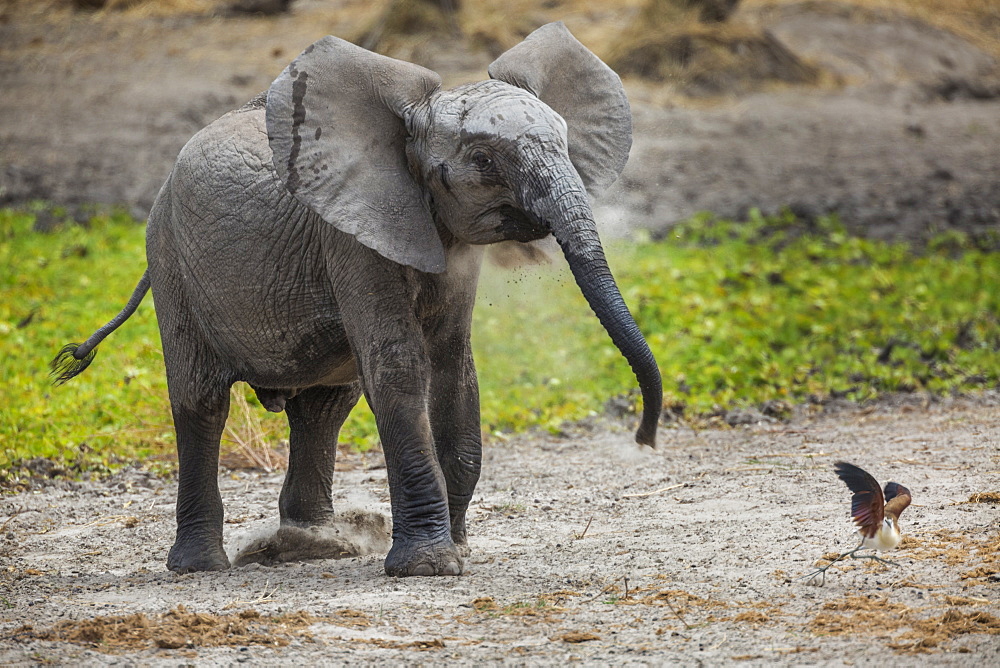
75	357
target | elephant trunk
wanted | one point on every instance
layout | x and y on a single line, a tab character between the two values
571	220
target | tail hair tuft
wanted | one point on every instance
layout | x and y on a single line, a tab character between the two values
66	364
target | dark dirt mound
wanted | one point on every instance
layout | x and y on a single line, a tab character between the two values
693	46
703	63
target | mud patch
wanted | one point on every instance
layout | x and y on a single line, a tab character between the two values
352	533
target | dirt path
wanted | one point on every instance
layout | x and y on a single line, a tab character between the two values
708	534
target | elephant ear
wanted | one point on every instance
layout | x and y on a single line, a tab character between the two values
337	131
567	76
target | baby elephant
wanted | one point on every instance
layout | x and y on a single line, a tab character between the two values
325	240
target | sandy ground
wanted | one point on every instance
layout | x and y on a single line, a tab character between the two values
585	548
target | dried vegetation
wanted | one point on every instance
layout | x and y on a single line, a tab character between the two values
694	48
922	629
907	629
181	628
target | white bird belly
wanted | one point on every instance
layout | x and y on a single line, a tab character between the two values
886	538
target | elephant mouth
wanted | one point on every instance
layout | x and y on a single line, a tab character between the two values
518	225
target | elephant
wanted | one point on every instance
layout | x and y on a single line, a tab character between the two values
325	240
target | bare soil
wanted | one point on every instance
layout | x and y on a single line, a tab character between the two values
584	547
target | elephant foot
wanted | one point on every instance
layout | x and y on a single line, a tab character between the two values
459	537
412	558
463	549
351	533
193	556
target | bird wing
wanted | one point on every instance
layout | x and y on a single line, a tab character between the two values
897	498
867	504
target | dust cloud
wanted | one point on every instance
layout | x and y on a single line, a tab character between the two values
353	532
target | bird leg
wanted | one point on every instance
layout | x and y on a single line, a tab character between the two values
878	559
852	555
822	570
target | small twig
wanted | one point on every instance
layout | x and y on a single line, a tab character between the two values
585	528
625	578
793	454
15	513
263	549
655	491
666	598
598	594
265	596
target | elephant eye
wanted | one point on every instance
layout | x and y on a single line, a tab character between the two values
482	161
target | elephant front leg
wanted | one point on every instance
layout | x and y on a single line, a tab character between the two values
455	421
421	526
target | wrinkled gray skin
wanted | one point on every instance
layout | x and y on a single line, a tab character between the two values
327	241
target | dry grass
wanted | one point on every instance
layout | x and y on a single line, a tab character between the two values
130	8
244	442
911	630
700	59
679	600
382	643
180	628
957	549
395	25
906	629
541	608
987	551
754	617
504	23
659	40
951	547
984	497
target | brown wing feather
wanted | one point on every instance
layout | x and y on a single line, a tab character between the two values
897	498
867	504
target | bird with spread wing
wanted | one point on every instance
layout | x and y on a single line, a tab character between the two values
875	511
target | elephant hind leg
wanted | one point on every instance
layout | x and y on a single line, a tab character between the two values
199	423
310	529
315	417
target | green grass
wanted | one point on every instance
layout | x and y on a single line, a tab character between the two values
737	315
741	314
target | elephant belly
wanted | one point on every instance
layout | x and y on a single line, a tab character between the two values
278	348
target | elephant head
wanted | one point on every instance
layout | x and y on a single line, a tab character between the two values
377	149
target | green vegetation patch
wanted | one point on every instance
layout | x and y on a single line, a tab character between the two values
739	314
736	314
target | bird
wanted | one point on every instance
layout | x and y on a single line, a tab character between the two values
875	512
